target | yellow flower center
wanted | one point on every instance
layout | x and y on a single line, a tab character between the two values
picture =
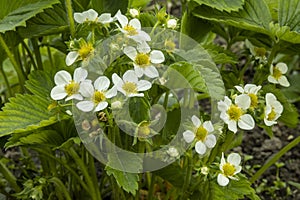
130	30
72	88
98	97
129	87
142	59
254	100
201	133
85	50
276	73
234	112
170	46
228	169
144	130
272	115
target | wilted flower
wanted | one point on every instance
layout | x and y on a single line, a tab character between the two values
132	29
201	135
68	87
130	86
273	109
229	168
276	74
235	114
96	94
144	60
92	16
251	90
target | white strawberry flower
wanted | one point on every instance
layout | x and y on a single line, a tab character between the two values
144	59
92	16
97	95
201	133
129	85
251	90
273	109
229	168
277	74
68	87
132	28
85	51
235	114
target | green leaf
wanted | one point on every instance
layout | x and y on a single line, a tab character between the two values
220	55
25	113
223	5
173	174
51	21
110	6
138	3
128	181
19	16
289	14
284	33
254	16
273	7
293	92
139	109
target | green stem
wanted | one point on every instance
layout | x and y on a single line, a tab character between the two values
272	54
70	17
37	53
60	186
151	188
14	63
10	94
9	177
94	174
188	164
274	158
29	54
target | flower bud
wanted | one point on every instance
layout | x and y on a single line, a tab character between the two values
172	23
134	12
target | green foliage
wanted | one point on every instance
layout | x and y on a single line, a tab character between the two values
173	174
109	6
223	5
18	15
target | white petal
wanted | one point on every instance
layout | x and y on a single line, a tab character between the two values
283	81
80	74
86	89
227	101
91	15
143	47
269	123
143	85
282	67
117	80
111	93
270	98
222	180
234	158
188	136
246	122
200	148
271	69
102	83
136	95
135	23
130	76
238	169
243	101
79	18
157	57
138	70
62	78
222	106
105	18
58	93
71	57
210	141
239	88
121	18
74	96
271	79
232	125
141	37
130	52
151	72
196	121
85	106
223	161
101	106
208	126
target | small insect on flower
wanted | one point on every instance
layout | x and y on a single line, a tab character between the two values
277	74
235	114
97	95
91	16
68	87
229	168
132	29
273	109
251	90
201	134
144	60
130	86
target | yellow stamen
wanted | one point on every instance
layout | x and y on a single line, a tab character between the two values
98	97
234	112
85	50
72	88
170	46
228	169
272	115
276	73
201	133
144	130
254	100
142	59
129	87
130	30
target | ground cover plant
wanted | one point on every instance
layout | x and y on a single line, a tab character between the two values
139	99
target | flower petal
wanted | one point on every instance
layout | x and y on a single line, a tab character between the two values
121	18
283	81
117	80
62	78
157	57
188	136
238	169
143	47
135	23
90	15
79	17
102	83
80	74
210	141
111	93
105	18
222	180
269	123
101	106
271	79
141	37
74	96
85	106
200	148
130	76
86	89
239	88
151	72
234	158
143	85
232	125
130	52
138	70
208	126
58	92
243	101
196	121
282	67
246	122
